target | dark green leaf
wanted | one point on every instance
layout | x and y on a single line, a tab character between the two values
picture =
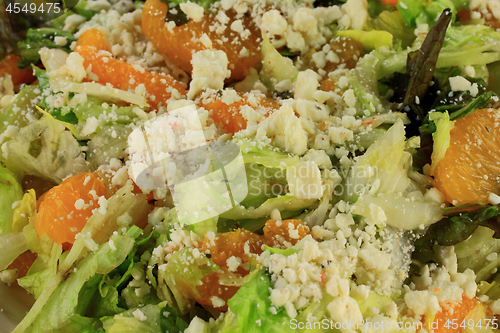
421	65
459	226
38	38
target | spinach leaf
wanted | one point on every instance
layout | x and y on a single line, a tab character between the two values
457	227
420	67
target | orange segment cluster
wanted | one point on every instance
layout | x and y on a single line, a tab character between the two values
229	116
65	208
179	43
122	75
470	170
242	244
8	65
464	316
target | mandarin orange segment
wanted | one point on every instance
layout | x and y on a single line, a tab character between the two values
327	85
230	117
211	287
66	207
470	169
8	65
122	75
179	43
278	232
453	316
95	38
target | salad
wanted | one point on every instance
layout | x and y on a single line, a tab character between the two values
254	166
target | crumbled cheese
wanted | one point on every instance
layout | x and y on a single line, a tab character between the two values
459	83
209	71
192	10
139	315
217	302
304	180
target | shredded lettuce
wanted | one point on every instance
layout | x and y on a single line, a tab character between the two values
178	279
251	305
45	149
441	137
380	176
10	192
158	318
67	296
371	40
472	253
275	67
12	244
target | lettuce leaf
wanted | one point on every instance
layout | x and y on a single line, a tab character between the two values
108	143
45	149
98	229
12	244
10	192
266	156
275	67
441	137
251	305
177	279
158	318
65	300
371	40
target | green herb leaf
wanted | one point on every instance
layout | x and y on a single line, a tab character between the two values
421	64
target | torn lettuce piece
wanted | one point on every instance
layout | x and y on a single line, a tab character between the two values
179	277
12	244
275	67
38	38
156	318
267	156
371	40
251	305
363	81
98	229
66	299
45	149
10	193
41	271
472	253
283	203
110	142
380	179
21	111
393	23
263	183
441	137
416	12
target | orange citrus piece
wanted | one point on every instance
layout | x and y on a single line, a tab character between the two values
8	65
179	43
456	316
122	75
239	244
66	207
23	263
230	117
470	170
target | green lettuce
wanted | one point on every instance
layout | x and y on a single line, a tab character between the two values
10	192
472	253
158	318
108	143
266	156
12	244
275	67
251	305
441	137
179	277
66	299
97	231
45	149
371	40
